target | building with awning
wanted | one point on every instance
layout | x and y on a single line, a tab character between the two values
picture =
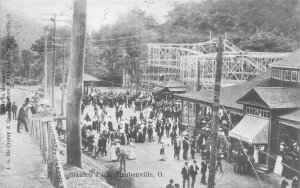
89	80
272	112
257	130
197	104
269	104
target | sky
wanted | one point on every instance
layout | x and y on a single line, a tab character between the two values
99	12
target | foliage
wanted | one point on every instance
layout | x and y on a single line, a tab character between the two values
130	36
38	48
13	51
262	41
239	18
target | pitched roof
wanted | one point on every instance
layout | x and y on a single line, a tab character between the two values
279	97
170	84
89	78
291	61
293	115
229	95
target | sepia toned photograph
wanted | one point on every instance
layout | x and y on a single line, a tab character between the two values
150	93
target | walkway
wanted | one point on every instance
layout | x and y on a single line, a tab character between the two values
25	167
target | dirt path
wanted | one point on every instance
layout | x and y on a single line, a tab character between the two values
24	166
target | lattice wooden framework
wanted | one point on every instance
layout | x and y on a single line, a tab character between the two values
183	62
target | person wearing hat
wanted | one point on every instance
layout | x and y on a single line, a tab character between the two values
132	154
295	182
219	162
173	136
113	156
122	156
177	148
194	171
14	110
8	108
203	170
185	172
144	132
150	133
185	146
2	108
21	118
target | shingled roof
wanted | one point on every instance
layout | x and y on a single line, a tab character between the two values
291	61
89	78
279	97
293	115
229	95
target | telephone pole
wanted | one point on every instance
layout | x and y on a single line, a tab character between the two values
198	76
74	88
215	117
52	67
45	67
63	80
137	67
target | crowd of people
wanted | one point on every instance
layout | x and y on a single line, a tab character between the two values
155	117
155	120
289	150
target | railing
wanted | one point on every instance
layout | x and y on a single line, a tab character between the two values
44	135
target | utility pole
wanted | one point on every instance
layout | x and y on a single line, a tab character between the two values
137	66
45	67
215	117
74	88
52	67
63	80
198	76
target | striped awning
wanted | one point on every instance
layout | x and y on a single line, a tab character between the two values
251	129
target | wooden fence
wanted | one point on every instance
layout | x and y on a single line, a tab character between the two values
44	135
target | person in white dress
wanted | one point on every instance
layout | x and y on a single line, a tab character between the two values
132	154
113	156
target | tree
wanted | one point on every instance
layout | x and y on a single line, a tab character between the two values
38	48
122	42
192	21
27	59
13	49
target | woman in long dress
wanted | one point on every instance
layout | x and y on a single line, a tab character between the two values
113	156
131	154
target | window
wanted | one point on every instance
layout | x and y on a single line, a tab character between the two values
294	76
257	112
287	75
273	73
280	74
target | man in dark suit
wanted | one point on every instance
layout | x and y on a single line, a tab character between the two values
14	109
185	147
21	118
8	108
203	171
177	148
120	115
194	171
185	174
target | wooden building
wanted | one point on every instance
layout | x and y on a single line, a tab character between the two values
270	105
